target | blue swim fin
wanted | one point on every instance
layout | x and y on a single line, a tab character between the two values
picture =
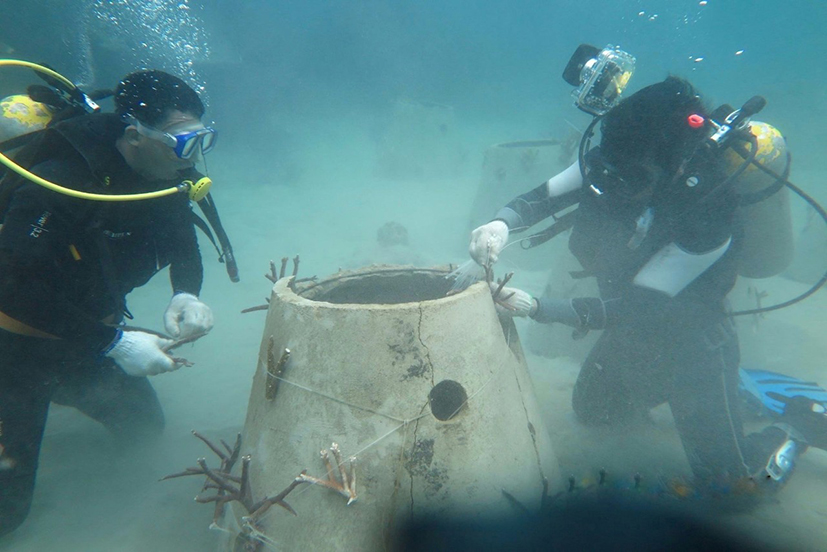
758	388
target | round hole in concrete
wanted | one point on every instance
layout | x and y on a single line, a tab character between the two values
447	399
384	287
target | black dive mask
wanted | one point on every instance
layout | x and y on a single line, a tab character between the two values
633	183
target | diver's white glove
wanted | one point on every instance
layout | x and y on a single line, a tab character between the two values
141	353
487	241
513	301
186	316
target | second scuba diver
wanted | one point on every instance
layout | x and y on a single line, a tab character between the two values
658	225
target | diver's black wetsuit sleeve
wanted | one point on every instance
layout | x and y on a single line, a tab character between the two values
530	208
586	313
186	271
646	307
594	313
34	243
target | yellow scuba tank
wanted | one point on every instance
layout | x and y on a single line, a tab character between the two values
767	248
19	114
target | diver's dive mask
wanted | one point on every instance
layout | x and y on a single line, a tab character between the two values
631	183
185	144
600	76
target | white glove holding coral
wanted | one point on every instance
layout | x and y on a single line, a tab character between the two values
513	301
186	316
141	354
487	241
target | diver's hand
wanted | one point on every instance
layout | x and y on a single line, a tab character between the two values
513	301
186	316
141	353
487	241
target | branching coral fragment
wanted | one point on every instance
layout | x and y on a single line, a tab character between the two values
229	487
347	486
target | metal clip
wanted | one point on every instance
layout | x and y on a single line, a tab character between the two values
274	371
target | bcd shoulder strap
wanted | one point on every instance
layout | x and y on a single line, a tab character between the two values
37	147
225	251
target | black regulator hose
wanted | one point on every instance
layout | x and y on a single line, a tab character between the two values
585	142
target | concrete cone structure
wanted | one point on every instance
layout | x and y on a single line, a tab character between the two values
428	392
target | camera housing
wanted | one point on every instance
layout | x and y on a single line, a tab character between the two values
600	76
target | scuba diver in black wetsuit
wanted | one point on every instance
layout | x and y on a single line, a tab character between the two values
660	224
68	262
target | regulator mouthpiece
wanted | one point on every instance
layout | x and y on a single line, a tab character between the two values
199	189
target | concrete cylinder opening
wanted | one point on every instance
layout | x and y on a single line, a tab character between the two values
382	287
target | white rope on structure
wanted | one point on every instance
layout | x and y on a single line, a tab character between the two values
402	423
335	399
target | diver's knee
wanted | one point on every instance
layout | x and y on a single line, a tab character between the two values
147	432
155	425
138	431
11	519
15	502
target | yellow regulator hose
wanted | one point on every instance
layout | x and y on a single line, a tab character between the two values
181	188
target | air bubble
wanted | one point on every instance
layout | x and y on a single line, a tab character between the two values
160	33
